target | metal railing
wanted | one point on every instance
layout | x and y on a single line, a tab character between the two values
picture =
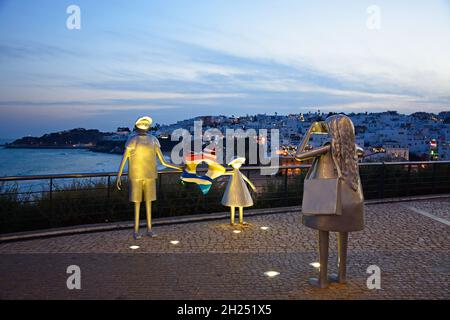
45	201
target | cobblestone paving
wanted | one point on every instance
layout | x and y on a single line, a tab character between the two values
212	262
438	208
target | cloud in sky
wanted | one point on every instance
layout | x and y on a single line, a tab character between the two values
177	59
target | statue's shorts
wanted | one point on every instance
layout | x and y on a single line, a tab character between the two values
139	187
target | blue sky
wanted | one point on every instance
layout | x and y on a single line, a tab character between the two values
177	59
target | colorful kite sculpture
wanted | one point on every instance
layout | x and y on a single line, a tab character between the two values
204	182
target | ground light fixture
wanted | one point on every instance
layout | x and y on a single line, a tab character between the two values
236	231
315	265
271	273
264	228
134	247
174	242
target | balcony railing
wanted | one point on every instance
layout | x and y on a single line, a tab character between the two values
46	201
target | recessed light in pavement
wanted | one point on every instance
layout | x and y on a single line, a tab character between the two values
134	247
315	265
264	228
271	273
237	231
174	242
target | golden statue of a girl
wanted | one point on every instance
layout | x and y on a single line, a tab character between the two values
333	198
237	193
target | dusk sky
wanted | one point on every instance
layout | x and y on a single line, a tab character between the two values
178	59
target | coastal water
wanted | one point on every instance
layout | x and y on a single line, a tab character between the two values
26	162
20	162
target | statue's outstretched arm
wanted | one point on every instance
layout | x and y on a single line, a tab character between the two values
164	162
305	155
249	182
125	157
317	127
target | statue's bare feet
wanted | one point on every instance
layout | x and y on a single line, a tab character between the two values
319	284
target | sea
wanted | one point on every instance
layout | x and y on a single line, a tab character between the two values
28	162
24	162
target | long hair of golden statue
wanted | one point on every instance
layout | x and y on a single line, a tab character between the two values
343	148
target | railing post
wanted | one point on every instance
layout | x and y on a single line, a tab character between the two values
408	181
286	183
51	199
158	193
381	186
109	188
433	179
108	194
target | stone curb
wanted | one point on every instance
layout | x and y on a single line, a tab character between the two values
103	227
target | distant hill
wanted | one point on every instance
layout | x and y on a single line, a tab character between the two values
91	139
71	138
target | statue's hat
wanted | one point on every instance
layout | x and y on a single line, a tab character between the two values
143	123
240	160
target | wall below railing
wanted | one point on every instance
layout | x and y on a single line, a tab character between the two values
46	201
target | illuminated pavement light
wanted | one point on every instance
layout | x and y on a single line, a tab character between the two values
271	273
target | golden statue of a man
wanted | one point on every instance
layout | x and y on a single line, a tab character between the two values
141	151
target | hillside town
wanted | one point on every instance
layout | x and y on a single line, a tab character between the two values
384	136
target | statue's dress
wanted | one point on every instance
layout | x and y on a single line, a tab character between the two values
236	193
352	216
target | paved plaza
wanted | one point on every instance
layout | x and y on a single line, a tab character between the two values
409	241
